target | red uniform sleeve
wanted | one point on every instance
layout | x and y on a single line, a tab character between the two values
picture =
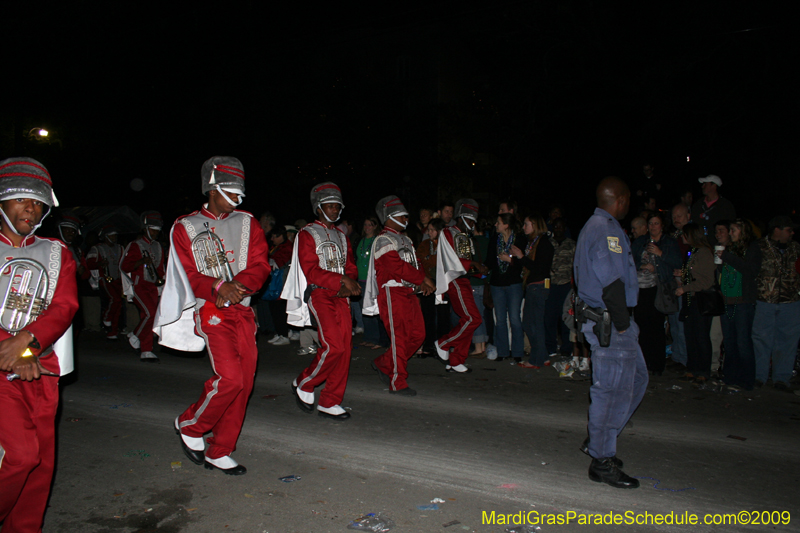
93	258
161	268
56	319
309	262
449	236
389	266
132	254
258	269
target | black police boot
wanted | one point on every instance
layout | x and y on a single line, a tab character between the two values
605	471
585	449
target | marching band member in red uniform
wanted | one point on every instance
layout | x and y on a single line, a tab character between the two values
394	277
217	299
143	264
69	227
28	402
320	282
456	252
105	257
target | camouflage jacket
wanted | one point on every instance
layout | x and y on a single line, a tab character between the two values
564	253
778	281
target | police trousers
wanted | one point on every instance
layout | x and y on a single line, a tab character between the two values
619	381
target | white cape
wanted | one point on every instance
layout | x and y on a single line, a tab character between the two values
369	303
448	265
174	320
293	291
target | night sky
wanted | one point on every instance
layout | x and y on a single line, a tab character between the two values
537	101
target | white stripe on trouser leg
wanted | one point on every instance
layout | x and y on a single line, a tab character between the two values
106	317
393	337
463	308
322	342
139	329
215	388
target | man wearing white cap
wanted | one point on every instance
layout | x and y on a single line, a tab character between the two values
143	262
29	361
215	297
712	207
393	278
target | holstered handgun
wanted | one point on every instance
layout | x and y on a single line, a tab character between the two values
601	318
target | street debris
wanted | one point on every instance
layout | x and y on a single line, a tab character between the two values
451	523
524	528
137	453
437	500
428	507
176	465
371	522
289	479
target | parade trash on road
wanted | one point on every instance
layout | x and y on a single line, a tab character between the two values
428	507
289	479
524	528
371	522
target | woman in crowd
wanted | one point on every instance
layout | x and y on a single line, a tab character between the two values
741	262
696	275
478	283
280	253
656	256
505	280
536	259
560	285
368	325
437	317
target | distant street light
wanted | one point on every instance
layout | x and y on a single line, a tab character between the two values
37	132
43	136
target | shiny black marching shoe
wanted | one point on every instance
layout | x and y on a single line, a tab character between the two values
605	471
195	456
585	449
307	408
226	464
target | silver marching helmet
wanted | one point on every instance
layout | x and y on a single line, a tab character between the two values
23	177
223	173
467	208
326	193
390	207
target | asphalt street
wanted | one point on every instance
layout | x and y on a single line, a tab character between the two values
500	439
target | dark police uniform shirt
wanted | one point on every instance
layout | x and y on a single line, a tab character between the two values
603	255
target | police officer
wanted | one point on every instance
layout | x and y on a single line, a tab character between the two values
606	278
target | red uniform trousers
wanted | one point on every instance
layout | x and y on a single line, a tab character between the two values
230	336
27	451
402	316
114	292
460	337
331	365
145	296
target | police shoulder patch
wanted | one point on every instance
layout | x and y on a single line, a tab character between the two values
613	245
